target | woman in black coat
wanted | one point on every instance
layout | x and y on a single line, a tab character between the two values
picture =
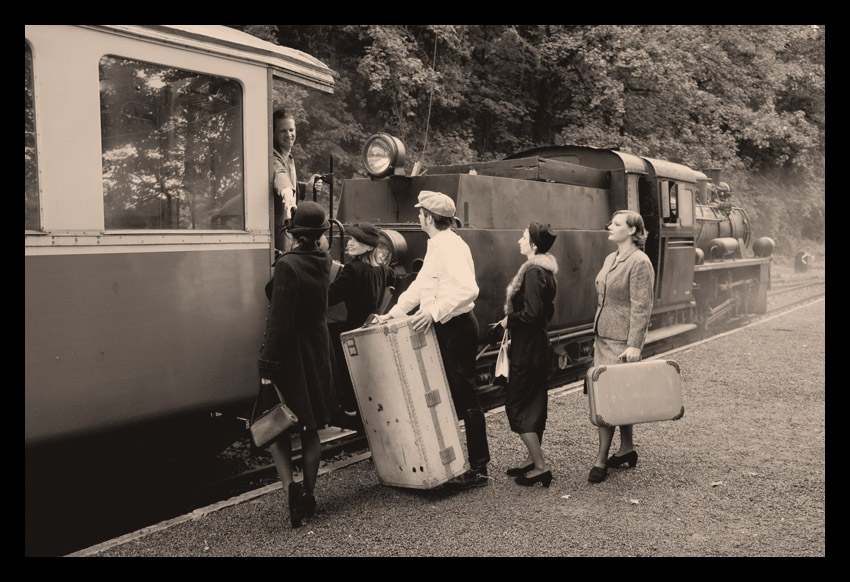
361	285
296	355
529	308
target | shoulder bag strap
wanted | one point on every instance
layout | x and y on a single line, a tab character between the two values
257	400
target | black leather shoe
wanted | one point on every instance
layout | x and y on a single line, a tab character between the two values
597	474
615	461
470	479
514	471
296	504
543	478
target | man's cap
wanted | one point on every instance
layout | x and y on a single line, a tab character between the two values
436	202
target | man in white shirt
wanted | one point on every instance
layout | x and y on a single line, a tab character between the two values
445	291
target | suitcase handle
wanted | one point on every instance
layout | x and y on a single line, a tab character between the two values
373	319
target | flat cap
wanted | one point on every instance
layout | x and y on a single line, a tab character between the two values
437	203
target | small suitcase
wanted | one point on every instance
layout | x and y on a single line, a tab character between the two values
634	393
405	404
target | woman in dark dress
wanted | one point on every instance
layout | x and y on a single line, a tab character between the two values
361	285
529	308
296	355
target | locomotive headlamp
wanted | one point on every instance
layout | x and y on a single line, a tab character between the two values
393	248
382	154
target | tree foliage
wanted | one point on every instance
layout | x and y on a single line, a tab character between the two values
746	98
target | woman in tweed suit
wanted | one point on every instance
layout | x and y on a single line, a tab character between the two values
624	303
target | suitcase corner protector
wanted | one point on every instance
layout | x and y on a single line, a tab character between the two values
678	371
680	415
597	372
599	421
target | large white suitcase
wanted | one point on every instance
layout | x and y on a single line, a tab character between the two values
405	404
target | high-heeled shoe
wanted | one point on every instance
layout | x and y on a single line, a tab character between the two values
597	474
544	479
514	471
296	504
309	503
615	461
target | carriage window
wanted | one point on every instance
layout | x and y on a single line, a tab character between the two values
172	148
31	167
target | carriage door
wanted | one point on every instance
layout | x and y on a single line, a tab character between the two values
649	210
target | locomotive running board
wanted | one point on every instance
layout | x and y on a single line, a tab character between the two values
669	331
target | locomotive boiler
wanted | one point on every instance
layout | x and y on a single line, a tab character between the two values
707	265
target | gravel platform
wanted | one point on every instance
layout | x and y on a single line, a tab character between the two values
741	474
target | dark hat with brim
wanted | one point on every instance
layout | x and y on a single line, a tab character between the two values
541	236
309	218
364	232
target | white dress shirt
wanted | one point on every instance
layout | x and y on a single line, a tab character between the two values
445	286
285	182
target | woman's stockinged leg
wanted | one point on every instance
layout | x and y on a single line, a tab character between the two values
535	452
606	435
311	453
281	450
627	444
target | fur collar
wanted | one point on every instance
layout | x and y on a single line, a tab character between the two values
544	261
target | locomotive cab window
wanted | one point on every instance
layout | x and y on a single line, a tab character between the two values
172	148
31	221
677	204
669	202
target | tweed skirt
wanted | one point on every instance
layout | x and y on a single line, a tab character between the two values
606	351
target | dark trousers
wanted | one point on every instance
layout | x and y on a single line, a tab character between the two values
458	339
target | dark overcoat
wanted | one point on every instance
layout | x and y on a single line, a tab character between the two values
361	287
529	309
624	297
296	353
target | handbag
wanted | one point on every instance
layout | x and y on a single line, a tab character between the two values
272	423
503	363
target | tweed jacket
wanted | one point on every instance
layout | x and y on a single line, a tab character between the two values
624	292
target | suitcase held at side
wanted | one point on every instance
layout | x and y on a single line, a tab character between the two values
634	393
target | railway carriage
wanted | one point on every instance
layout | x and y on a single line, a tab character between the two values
147	245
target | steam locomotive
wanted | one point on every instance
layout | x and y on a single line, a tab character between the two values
708	265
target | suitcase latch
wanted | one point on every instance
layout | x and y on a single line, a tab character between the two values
432	398
418	340
352	346
447	455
